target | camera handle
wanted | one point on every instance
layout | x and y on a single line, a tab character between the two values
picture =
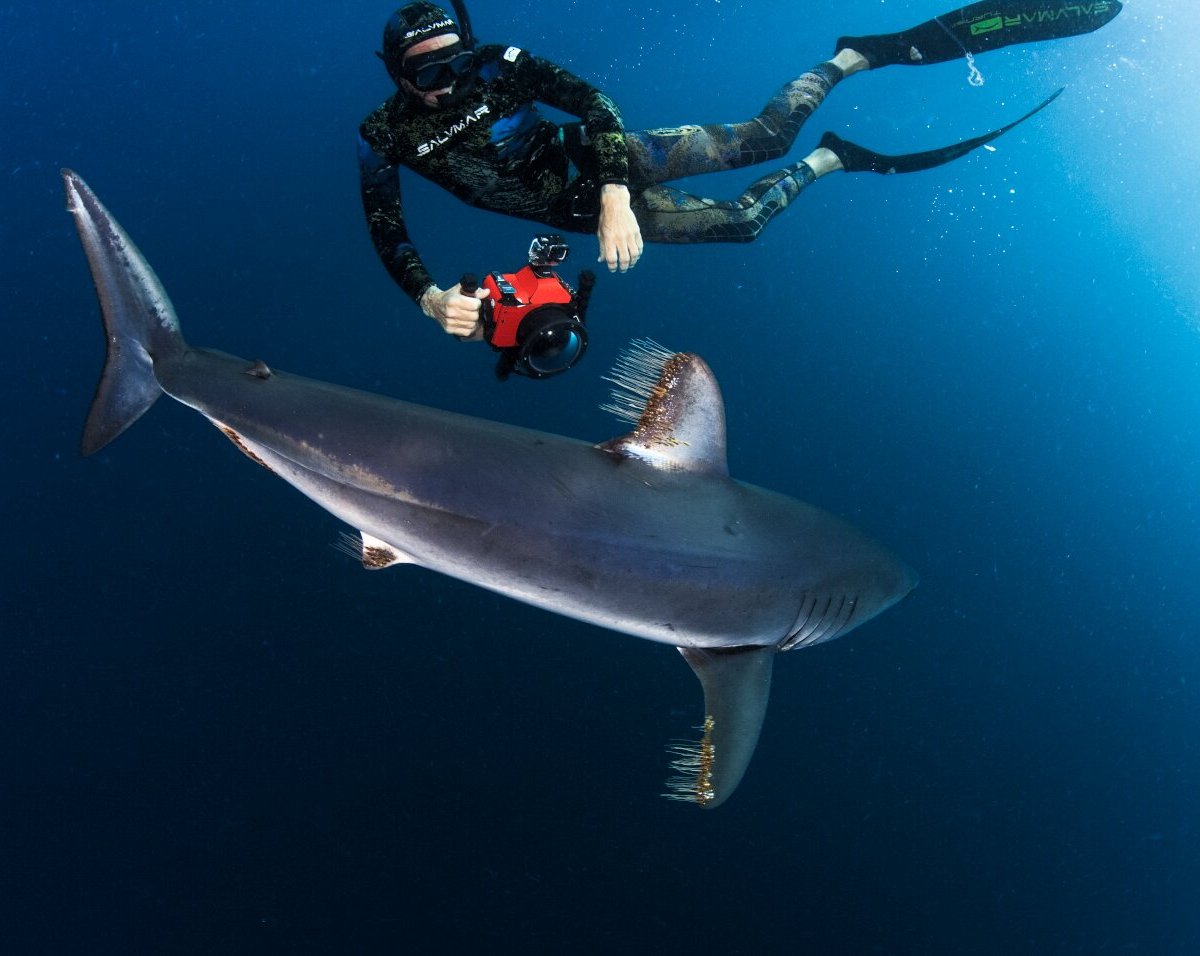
469	285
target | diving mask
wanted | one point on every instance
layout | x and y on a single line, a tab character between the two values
438	69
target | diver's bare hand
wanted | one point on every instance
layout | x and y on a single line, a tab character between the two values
457	312
618	231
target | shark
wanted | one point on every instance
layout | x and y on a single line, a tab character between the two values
645	534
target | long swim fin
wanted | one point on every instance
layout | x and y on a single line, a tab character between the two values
859	159
981	27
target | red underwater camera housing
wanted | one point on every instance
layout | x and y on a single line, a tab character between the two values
532	317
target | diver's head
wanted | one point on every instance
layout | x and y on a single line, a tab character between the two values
425	54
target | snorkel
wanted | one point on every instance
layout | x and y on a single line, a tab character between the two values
464	25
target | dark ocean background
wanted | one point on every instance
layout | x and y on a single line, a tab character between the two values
219	734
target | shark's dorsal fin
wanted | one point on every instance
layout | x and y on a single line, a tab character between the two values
675	403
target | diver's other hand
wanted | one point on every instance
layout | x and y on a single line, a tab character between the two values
619	233
457	312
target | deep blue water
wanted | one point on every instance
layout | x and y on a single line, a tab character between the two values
218	734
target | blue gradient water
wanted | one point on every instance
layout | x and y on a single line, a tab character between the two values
219	734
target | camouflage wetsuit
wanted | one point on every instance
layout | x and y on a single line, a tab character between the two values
495	151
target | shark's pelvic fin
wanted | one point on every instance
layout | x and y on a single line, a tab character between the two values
374	553
737	684
378	554
675	403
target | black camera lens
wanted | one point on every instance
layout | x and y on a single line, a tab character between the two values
551	340
555	350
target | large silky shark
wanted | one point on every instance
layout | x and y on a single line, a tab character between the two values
646	534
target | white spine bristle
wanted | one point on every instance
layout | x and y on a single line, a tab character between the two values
634	377
693	764
350	544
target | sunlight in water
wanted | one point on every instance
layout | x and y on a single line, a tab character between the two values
1140	162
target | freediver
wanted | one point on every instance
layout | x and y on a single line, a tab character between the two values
464	117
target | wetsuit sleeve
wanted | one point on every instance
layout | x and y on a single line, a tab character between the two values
605	128
380	184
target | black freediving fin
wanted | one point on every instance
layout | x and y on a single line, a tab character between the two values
859	159
737	683
980	27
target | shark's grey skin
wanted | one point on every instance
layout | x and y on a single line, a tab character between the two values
646	534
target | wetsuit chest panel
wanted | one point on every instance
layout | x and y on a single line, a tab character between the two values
517	136
493	150
516	133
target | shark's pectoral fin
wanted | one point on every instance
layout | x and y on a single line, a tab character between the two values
737	684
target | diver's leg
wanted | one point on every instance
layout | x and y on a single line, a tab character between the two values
660	155
980	27
667	214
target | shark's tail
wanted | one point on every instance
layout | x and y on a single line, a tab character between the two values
140	326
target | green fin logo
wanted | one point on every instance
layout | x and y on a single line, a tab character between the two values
987	26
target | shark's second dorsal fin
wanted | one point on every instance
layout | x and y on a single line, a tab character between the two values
675	402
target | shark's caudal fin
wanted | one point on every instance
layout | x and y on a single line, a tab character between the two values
139	320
